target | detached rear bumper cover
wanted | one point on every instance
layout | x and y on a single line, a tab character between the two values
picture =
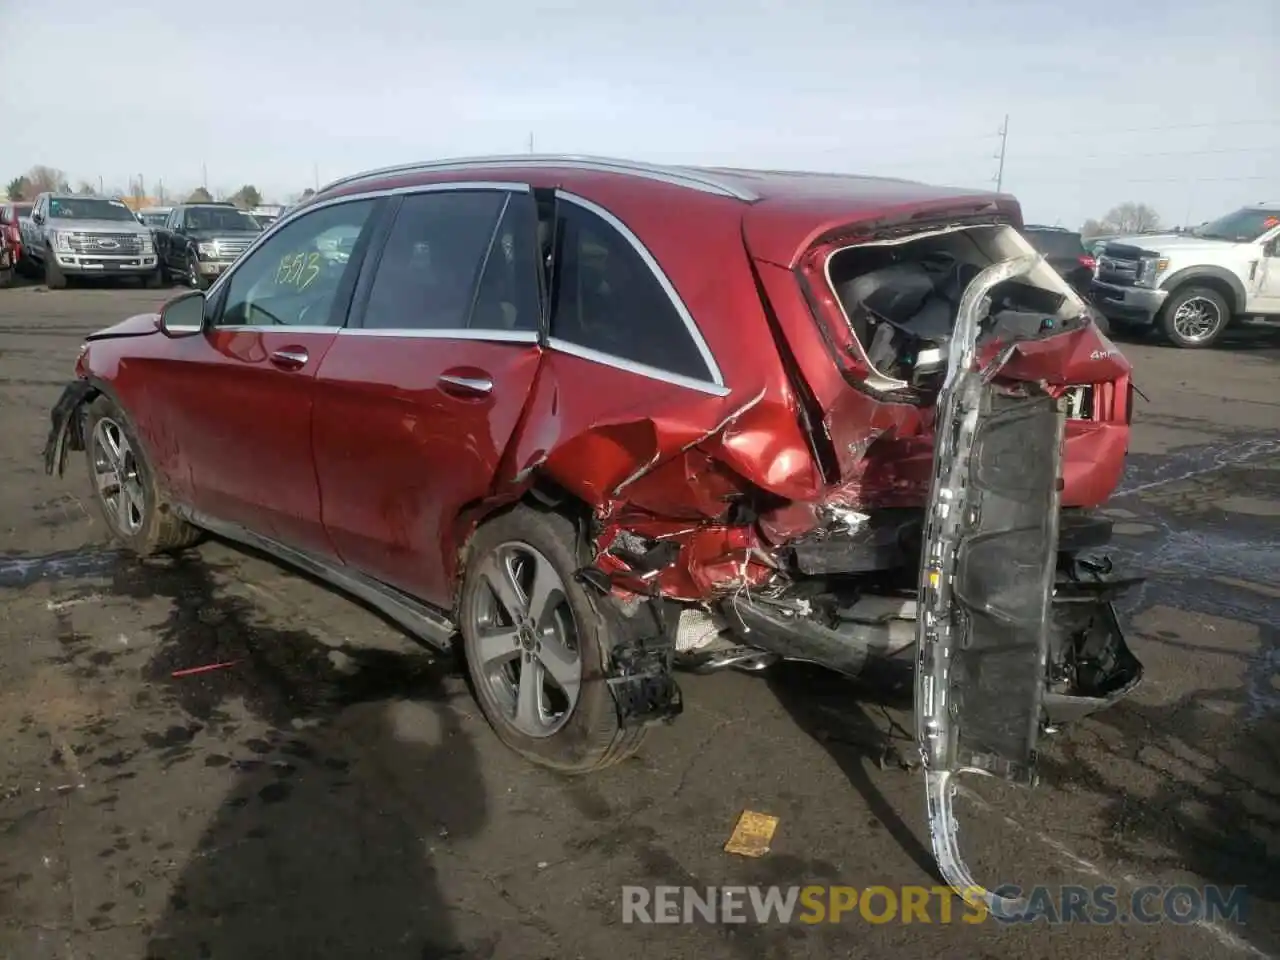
987	580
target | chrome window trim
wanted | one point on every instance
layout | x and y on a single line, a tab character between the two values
717	378
505	186
691	178
640	369
460	333
272	328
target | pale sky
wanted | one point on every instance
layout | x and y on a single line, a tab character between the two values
1176	104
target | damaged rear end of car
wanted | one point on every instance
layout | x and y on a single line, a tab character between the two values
964	418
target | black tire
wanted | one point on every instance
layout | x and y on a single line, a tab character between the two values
158	529
591	738
195	279
1211	304
54	278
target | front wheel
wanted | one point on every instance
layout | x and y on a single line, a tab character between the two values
124	485
54	278
536	646
195	279
1194	317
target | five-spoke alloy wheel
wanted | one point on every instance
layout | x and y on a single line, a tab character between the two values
526	640
115	474
537	645
124	485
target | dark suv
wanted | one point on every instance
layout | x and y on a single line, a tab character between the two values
198	241
1066	252
592	420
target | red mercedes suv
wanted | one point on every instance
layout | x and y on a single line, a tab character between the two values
600	420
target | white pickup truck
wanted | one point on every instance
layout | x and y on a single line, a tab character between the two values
1193	286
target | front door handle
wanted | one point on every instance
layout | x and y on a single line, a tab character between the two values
465	386
289	358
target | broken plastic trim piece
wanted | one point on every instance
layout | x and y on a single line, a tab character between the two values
64	427
982	634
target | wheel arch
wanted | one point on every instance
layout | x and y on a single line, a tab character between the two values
541	494
1218	279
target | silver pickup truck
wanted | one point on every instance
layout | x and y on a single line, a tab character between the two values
69	235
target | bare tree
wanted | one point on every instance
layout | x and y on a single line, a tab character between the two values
86	188
1130	217
48	179
1093	228
19	188
199	195
247	197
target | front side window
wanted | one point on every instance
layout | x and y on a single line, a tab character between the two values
293	278
1243	226
608	299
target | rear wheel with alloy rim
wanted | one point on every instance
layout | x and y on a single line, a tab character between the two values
124	485
1194	317
536	647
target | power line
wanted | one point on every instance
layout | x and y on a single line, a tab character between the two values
1090	175
1150	153
1211	125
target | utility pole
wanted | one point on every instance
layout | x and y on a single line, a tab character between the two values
315	176
531	141
204	175
100	188
1004	140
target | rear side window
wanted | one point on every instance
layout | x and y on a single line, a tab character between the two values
1056	243
608	299
431	264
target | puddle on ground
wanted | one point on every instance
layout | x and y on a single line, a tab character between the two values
1146	470
23	571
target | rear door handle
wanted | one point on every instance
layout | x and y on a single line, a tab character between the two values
459	385
289	358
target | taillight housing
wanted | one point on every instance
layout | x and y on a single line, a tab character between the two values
1087	261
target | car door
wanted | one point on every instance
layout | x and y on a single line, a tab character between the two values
237	400
420	395
176	241
164	237
29	226
1265	295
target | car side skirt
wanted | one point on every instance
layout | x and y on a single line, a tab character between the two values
428	624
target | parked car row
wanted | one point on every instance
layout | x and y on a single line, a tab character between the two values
64	237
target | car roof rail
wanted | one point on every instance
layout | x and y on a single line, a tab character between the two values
691	177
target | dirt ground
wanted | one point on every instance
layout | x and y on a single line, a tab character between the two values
335	792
